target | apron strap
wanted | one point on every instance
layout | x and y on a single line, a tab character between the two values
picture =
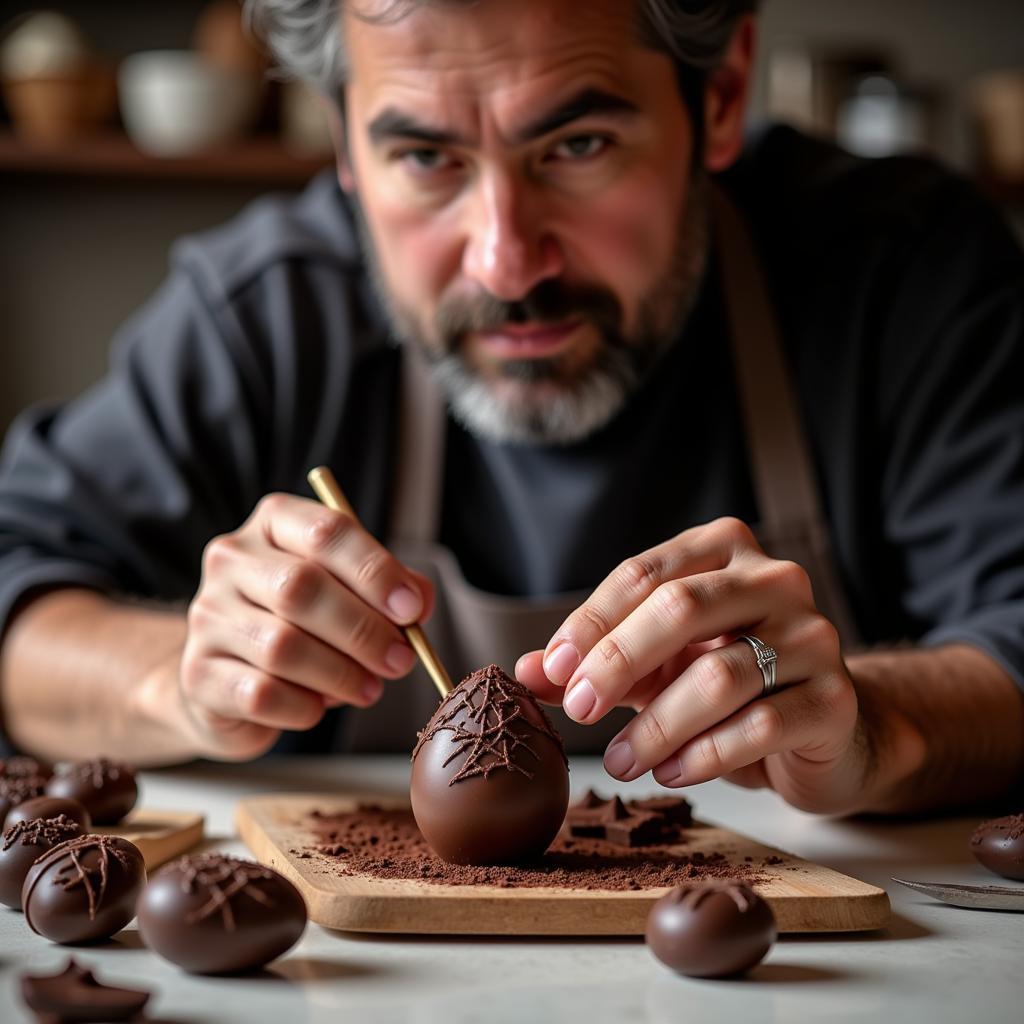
792	522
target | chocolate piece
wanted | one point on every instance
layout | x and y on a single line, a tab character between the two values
12	767
49	807
16	789
106	788
490	780
23	843
711	930
213	914
999	846
673	809
84	889
74	996
634	823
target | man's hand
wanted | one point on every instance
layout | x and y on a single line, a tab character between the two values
660	635
298	610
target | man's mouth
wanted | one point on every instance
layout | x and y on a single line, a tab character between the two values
531	340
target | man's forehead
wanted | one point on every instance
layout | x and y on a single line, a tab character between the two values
457	48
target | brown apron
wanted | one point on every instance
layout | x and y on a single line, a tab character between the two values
471	628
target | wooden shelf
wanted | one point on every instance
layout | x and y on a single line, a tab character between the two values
252	160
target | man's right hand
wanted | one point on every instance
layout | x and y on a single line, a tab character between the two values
297	611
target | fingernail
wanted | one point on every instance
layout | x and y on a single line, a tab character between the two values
405	604
561	663
400	658
619	760
668	773
580	700
372	689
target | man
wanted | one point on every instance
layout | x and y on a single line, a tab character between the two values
545	203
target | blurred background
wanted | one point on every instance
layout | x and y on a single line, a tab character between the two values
124	125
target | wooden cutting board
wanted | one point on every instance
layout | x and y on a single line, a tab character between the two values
805	897
159	835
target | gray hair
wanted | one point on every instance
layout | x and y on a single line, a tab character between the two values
304	36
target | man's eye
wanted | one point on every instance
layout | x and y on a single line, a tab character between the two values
423	159
579	147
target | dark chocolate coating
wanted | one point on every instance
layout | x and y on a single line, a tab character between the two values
16	789
84	890
107	789
711	930
49	807
23	843
74	996
999	846
214	914
13	767
490	781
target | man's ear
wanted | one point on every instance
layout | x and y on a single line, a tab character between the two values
725	98
342	159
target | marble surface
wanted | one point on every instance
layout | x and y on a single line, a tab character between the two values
934	963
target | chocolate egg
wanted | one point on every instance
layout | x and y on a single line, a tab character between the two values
49	807
106	788
23	843
11	767
214	914
711	930
999	846
84	889
490	780
16	789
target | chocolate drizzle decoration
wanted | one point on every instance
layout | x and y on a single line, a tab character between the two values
484	714
222	879
75	874
41	831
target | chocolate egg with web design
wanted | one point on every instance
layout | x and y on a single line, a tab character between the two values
83	889
215	914
490	779
107	789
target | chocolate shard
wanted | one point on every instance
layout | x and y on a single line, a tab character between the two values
634	823
74	996
673	809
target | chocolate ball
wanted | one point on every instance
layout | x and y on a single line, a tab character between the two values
214	914
999	846
711	929
12	767
23	843
490	780
49	807
16	789
84	889
107	789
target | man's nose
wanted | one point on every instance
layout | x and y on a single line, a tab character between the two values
508	248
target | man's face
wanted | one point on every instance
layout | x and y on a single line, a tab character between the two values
524	173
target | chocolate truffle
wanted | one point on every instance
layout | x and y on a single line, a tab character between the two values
16	789
23	843
490	780
11	767
214	914
84	889
711	930
49	807
74	996
107	789
999	846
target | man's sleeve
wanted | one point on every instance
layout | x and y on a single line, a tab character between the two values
952	405
121	489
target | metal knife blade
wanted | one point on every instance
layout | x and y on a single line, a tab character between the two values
974	897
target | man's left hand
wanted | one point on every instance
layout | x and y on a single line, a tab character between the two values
660	635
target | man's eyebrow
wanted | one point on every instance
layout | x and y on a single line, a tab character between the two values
392	123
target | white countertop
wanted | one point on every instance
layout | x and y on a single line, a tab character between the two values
934	963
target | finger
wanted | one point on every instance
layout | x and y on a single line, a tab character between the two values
284	650
530	672
716	685
680	612
339	543
816	715
698	550
305	595
232	689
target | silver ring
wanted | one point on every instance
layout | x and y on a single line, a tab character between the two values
767	660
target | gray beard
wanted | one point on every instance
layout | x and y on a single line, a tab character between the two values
528	404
